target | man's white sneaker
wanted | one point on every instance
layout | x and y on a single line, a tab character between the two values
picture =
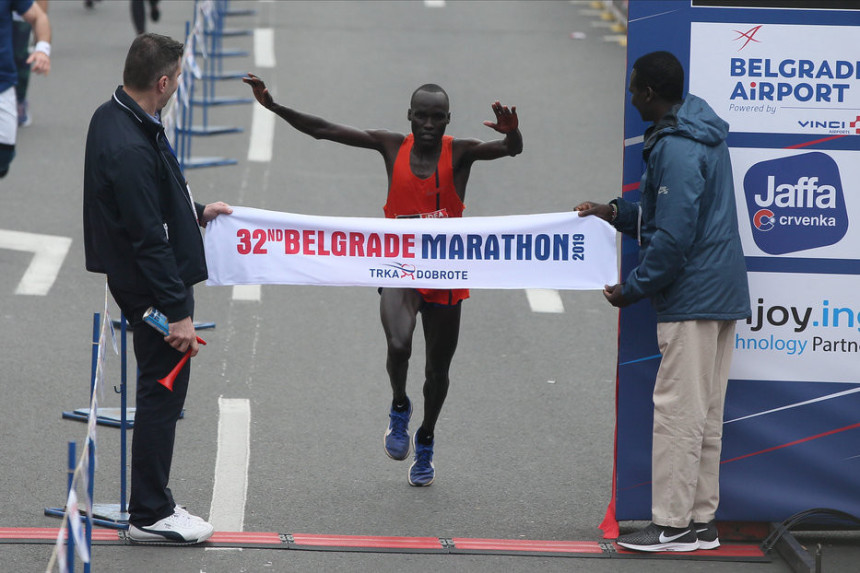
182	511
181	528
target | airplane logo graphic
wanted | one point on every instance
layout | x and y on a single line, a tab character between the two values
405	270
749	35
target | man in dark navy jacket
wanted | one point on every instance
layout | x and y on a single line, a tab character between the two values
142	229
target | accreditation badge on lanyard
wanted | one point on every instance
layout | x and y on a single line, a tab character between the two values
191	198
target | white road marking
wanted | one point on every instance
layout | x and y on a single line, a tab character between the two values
544	300
434	3
262	135
49	252
247	292
230	491
264	47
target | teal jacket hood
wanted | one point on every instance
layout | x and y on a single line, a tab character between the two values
693	119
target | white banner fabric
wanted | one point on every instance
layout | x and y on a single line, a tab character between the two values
553	250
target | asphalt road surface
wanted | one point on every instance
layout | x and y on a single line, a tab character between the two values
296	375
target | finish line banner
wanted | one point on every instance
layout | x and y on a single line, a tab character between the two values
553	250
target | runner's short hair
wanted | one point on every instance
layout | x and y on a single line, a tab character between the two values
431	88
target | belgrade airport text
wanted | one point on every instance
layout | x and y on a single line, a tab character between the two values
800	320
759	90
323	243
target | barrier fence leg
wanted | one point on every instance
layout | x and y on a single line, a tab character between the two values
106	514
70	539
91	459
91	470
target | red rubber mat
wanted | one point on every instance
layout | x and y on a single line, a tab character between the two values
383	544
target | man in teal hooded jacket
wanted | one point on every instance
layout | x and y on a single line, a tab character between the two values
691	267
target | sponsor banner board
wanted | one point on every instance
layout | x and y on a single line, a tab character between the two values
776	78
787	79
807	333
798	203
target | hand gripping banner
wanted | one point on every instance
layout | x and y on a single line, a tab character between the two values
553	250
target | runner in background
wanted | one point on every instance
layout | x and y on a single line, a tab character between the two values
21	33
39	61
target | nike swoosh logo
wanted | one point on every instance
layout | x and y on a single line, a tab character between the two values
664	539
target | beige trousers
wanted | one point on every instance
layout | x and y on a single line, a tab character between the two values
688	420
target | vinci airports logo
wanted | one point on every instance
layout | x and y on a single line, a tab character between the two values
795	203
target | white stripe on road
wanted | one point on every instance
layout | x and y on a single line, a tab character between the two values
544	300
230	491
434	3
262	135
247	292
49	252
264	47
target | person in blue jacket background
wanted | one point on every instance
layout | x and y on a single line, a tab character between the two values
691	267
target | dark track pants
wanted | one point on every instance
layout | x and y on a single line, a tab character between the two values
157	411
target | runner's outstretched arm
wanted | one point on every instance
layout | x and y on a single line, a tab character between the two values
314	126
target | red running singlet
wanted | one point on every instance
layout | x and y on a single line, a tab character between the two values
436	196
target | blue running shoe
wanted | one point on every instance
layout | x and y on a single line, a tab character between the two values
396	440
422	472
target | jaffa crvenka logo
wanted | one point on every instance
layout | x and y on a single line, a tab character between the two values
795	203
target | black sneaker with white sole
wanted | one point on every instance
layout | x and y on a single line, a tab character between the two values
707	534
659	538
